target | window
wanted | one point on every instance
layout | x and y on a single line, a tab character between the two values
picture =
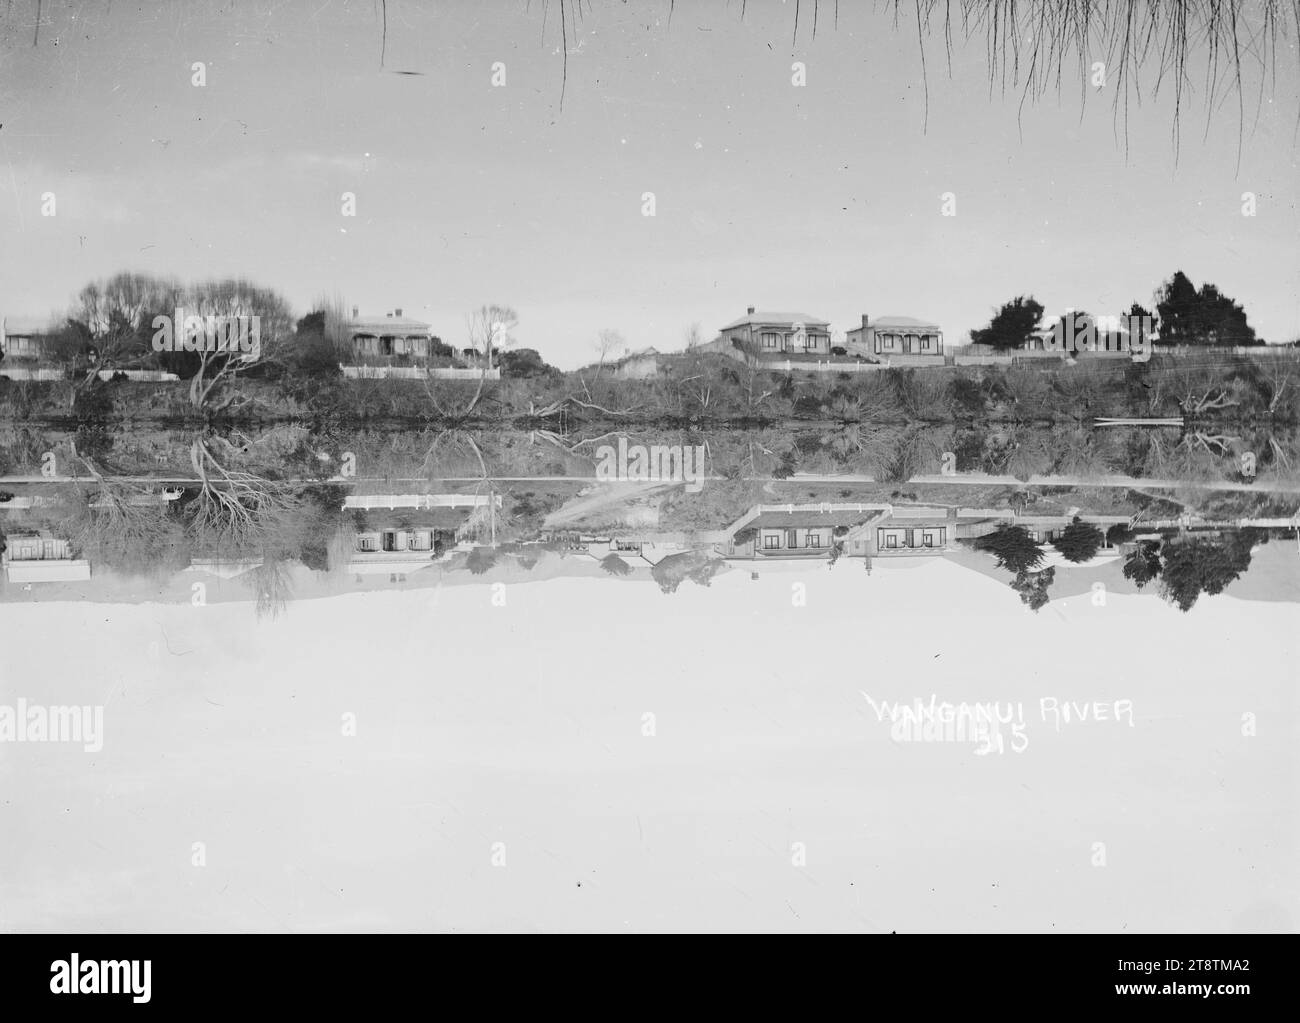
771	340
771	541
814	538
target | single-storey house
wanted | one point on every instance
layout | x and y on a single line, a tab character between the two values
389	336
778	333
27	338
897	336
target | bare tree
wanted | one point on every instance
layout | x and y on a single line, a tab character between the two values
272	587
608	342
337	320
489	328
227	301
113	318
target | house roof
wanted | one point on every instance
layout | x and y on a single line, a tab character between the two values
808	519
896	322
23	326
771	317
388	325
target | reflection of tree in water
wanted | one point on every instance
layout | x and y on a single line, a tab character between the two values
271	586
1143	563
128	528
237	514
235	511
1033	587
698	566
1205	564
615	565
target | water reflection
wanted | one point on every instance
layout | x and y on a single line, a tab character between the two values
290	513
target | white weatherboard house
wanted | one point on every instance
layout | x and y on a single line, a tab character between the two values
389	335
897	338
778	333
26	337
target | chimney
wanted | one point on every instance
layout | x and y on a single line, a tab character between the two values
354	312
397	313
750	310
864	321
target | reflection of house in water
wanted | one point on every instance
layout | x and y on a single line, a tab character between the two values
396	534
41	557
811	531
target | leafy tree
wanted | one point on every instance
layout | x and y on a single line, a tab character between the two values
1204	317
1079	541
525	363
1012	325
1014	548
311	354
1143	564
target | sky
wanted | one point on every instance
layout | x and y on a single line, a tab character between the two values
588	755
825	198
